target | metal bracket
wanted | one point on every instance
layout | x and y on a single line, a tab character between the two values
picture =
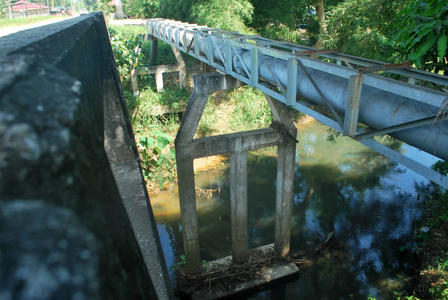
395	128
338	119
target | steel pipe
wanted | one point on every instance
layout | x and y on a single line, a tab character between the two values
379	107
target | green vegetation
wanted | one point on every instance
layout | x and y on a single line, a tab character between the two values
423	27
364	28
433	243
241	109
367	28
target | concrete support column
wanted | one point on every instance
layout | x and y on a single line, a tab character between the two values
285	176
238	203
134	82
153	51
203	86
181	67
189	218
159	82
284	197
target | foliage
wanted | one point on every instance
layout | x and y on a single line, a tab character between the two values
157	159
251	110
126	51
441	167
282	33
363	28
231	15
332	135
176	10
423	33
269	13
144	8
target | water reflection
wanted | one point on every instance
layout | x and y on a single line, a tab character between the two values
368	202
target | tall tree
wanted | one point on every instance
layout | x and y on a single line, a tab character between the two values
364	28
233	15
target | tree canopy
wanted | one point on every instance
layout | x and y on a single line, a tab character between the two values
392	31
423	34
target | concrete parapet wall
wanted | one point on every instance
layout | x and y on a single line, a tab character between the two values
65	229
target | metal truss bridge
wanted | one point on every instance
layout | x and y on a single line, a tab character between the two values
361	95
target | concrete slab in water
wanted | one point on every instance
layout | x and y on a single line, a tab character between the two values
265	277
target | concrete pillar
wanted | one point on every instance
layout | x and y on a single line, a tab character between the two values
181	66
203	86
134	82
285	177
153	51
159	82
189	218
238	203
185	176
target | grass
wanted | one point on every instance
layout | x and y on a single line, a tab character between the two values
6	22
128	30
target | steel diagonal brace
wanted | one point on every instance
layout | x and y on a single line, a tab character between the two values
320	92
399	127
219	51
273	74
242	61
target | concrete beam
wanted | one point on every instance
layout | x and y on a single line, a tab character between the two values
221	144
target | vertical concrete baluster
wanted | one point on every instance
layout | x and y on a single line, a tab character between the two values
238	203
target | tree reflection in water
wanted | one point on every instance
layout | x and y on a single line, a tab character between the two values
346	188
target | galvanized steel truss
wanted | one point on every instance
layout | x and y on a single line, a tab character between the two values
245	57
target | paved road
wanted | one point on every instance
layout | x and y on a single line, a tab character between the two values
13	29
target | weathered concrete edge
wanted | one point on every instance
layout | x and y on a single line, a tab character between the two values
22	45
133	192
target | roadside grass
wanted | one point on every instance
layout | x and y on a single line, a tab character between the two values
128	30
6	22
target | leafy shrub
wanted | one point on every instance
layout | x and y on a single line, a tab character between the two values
127	52
423	34
157	158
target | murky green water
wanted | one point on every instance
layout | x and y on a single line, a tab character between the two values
369	202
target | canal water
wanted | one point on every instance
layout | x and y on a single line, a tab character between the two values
370	203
